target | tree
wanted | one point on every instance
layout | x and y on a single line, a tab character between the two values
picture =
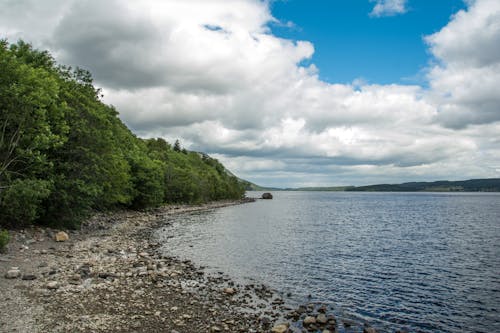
177	146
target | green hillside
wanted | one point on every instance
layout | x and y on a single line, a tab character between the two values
64	153
472	185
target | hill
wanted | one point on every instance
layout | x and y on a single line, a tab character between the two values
472	185
64	153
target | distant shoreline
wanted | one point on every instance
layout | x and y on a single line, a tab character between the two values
471	185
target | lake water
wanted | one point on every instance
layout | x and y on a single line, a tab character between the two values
422	262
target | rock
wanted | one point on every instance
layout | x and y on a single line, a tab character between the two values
321	318
369	330
75	277
229	291
61	236
348	323
29	277
280	328
13	273
309	320
267	196
52	285
322	309
266	322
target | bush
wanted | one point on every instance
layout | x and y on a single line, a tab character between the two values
20	203
4	240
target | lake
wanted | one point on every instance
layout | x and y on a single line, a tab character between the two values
421	262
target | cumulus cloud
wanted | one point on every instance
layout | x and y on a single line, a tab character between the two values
211	73
388	8
465	81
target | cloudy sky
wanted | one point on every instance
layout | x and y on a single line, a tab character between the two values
297	92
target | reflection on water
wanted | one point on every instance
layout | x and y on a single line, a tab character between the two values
417	261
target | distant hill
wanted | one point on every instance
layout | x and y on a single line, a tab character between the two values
249	186
472	185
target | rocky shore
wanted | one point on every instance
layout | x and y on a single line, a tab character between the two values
110	277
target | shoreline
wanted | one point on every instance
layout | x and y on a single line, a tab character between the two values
110	277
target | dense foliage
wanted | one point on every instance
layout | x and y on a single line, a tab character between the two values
64	153
4	240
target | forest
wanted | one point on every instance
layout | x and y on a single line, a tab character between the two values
65	154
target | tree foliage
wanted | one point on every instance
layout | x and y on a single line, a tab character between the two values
64	153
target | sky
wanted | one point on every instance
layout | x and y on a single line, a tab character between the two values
293	93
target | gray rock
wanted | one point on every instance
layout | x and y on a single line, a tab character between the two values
321	318
13	273
29	277
52	285
267	196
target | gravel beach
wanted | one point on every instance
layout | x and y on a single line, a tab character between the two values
110	277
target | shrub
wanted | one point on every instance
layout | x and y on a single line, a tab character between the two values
20	203
4	240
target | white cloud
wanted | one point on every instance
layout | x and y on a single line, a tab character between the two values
388	8
465	81
213	75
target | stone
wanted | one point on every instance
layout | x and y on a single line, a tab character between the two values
29	277
61	236
369	330
52	285
280	328
267	196
309	320
229	291
322	309
13	273
321	318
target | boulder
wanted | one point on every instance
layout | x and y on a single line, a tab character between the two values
309	320
61	236
267	195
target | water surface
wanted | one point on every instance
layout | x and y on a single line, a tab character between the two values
424	262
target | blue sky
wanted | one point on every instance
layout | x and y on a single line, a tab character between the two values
227	79
350	44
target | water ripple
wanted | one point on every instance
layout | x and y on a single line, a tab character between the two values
421	262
